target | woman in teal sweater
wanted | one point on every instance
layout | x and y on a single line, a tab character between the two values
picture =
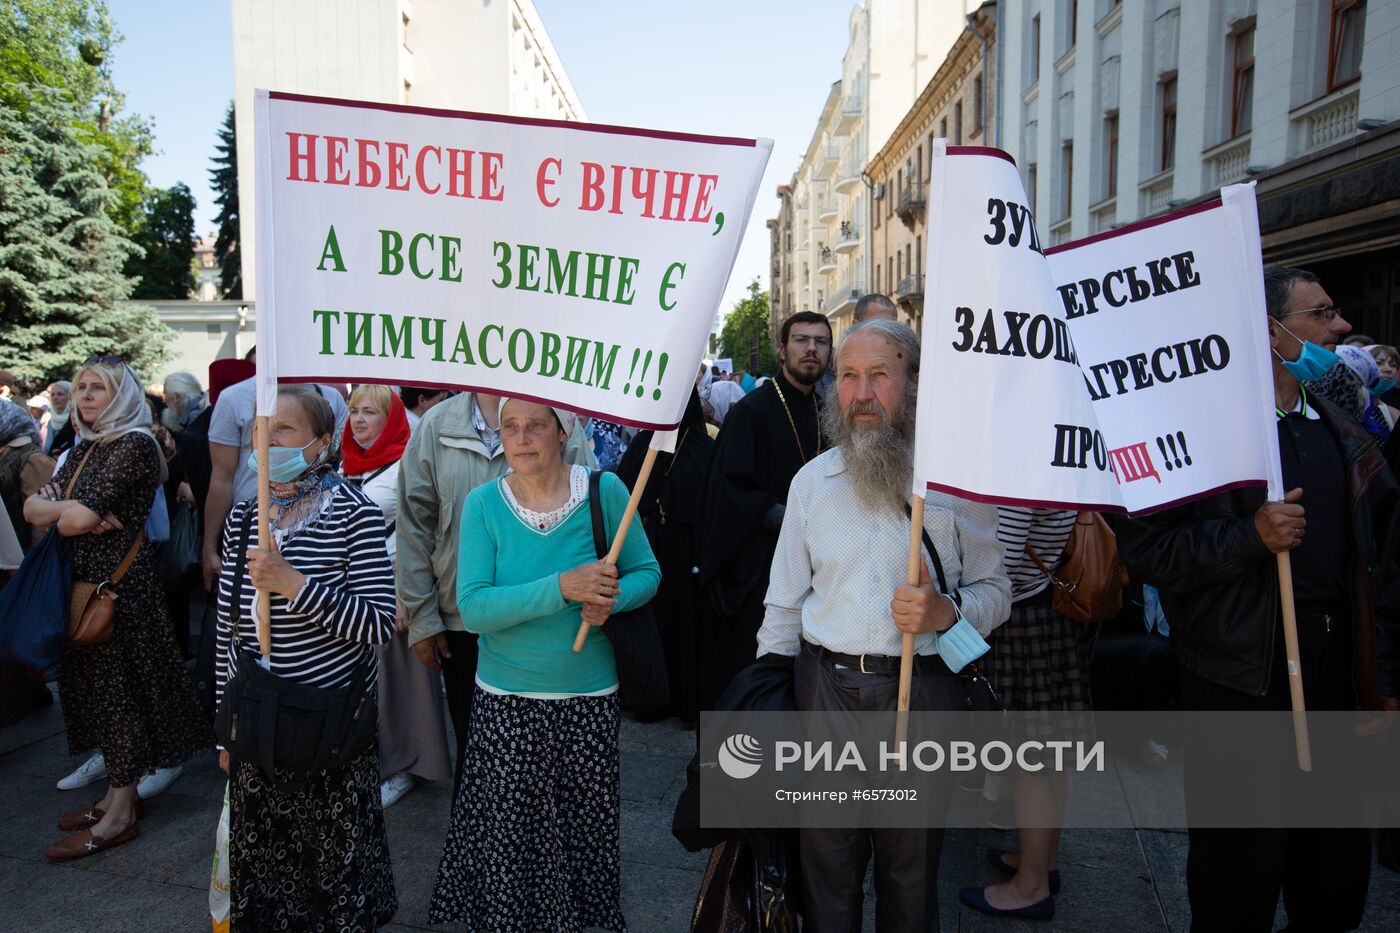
533	840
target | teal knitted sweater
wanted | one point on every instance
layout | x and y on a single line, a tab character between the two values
508	591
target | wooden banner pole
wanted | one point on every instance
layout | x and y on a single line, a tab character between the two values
632	502
1295	669
261	433
906	656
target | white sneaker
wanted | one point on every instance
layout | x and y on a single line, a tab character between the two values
393	789
157	781
94	769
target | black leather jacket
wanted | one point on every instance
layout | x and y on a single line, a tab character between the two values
1219	583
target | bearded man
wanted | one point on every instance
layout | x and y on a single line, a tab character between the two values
765	439
839	602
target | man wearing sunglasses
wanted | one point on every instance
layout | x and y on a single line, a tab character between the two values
1214	564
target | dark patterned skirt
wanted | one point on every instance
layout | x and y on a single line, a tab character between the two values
316	861
1040	660
533	841
131	697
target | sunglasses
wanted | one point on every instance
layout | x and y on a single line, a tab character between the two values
104	360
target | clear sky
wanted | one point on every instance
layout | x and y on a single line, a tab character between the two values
727	67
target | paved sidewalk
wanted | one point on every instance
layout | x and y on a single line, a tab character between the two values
1115	880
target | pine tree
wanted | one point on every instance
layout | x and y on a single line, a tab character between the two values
224	177
166	236
61	254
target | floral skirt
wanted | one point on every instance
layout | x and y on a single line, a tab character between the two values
533	840
316	860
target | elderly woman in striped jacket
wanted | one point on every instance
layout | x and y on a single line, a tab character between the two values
315	858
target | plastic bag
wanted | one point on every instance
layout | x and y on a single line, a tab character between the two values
34	605
179	558
219	903
158	519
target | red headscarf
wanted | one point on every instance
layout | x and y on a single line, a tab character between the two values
387	447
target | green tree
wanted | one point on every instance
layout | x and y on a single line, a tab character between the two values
62	290
67	45
224	179
166	238
744	336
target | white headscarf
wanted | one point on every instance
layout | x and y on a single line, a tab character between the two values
567	419
57	419
126	413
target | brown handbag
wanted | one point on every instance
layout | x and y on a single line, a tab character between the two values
92	605
1088	584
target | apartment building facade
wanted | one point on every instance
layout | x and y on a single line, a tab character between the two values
957	104
1120	111
491	56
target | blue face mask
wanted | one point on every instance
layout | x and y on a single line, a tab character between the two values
1312	363
1382	387
960	645
284	464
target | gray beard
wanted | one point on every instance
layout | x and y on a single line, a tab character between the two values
879	460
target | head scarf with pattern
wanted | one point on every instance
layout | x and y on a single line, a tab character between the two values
126	413
15	422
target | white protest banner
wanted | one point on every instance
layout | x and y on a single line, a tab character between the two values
999	383
574	264
1168	320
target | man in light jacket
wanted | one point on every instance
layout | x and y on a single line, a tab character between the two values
455	448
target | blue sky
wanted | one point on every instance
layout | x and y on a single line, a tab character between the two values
728	67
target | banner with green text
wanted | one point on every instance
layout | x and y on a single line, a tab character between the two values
575	264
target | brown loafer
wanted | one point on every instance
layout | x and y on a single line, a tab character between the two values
83	843
84	817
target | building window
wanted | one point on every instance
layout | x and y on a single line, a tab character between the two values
1168	159
977	104
898	267
1073	24
918	255
1035	49
1110	135
957	123
1067	161
877	276
889	274
1030	186
1242	97
909	259
1344	45
919	173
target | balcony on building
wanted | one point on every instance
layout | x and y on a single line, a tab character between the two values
848	176
828	160
909	293
843	298
1156	193
849	116
848	237
1330	119
826	260
912	201
1227	163
826	210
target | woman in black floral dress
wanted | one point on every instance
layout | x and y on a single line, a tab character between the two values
130	697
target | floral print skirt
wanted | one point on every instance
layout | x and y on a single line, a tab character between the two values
314	860
533	840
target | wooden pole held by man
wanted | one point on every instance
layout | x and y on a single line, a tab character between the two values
1295	667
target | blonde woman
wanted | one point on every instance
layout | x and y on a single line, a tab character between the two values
128	697
412	724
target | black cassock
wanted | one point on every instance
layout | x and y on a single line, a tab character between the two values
758	452
668	510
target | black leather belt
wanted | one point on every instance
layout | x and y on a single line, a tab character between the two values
924	664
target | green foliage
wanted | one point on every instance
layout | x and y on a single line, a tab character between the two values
223	178
61	254
166	237
66	45
745	331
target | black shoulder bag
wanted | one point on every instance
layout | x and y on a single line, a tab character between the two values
642	685
978	692
273	722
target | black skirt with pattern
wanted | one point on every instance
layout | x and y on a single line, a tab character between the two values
1039	660
533	842
316	861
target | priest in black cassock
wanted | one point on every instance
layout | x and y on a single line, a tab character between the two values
767	437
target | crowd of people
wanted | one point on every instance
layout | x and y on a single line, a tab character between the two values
431	556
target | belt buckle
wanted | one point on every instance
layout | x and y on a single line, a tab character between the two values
862	665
